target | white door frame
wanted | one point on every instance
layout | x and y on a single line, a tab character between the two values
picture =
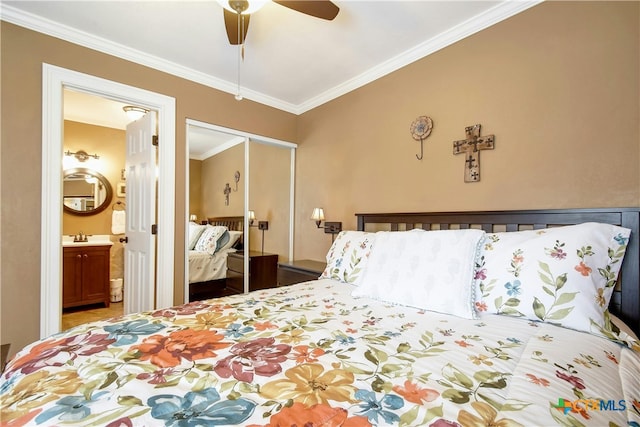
54	80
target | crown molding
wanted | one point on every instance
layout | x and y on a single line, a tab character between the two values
473	25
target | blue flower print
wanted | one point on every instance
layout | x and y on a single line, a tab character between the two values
69	408
199	408
621	240
236	330
128	332
373	408
513	290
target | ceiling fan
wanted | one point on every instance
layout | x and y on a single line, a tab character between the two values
234	10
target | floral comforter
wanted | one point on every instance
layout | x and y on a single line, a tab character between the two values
311	355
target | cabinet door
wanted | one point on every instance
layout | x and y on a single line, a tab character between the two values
235	272
71	276
95	274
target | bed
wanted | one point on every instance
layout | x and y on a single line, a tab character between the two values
358	347
207	261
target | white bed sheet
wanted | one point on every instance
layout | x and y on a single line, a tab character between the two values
204	266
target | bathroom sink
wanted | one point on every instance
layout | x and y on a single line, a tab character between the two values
94	240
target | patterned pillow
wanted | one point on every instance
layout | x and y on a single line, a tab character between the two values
208	241
195	231
348	256
431	270
563	275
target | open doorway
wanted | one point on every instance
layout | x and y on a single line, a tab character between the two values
55	80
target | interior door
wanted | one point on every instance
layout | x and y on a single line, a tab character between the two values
139	250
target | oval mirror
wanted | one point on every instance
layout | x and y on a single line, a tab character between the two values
85	192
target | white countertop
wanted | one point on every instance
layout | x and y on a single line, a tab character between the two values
94	240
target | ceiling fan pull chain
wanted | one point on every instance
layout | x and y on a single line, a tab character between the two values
240	51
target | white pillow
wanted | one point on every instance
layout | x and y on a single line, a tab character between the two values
348	255
195	230
562	275
208	241
431	270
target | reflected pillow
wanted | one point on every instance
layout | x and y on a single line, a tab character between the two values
562	275
208	240
195	231
431	270
233	237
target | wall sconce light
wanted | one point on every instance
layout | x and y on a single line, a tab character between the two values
193	217
134	113
262	225
332	228
81	155
318	216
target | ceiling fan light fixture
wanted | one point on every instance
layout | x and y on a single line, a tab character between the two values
243	7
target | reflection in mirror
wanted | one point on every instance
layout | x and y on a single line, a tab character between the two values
270	197
85	192
215	159
218	157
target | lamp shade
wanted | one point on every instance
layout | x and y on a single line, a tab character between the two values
252	216
318	214
193	217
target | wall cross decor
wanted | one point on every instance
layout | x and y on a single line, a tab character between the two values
227	191
471	147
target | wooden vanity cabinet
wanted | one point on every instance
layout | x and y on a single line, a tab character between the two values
85	275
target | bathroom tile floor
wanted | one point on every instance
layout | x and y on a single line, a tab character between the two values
75	316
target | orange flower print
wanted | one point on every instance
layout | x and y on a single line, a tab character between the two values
320	415
304	354
611	357
167	351
415	394
481	306
539	381
263	326
463	343
583	269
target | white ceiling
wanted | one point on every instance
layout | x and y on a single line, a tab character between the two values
293	62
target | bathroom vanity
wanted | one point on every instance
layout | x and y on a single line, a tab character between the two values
85	271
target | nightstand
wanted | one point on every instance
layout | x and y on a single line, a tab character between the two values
299	271
263	271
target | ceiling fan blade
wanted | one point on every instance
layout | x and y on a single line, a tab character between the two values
231	24
323	9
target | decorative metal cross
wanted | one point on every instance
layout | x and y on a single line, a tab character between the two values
227	191
471	147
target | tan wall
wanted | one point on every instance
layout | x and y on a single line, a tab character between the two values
269	190
195	190
558	85
109	144
216	172
22	54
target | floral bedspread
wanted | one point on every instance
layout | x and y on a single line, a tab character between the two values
311	355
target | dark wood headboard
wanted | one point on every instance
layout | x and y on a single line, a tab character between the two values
625	302
235	223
